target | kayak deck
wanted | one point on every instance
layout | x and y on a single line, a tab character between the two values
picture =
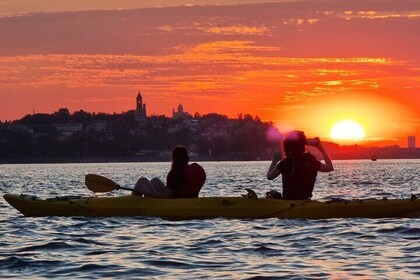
212	207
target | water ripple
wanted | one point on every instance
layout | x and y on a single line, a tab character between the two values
46	246
133	248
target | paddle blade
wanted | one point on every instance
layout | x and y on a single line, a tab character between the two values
98	183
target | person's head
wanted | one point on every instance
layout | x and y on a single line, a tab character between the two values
180	156
294	143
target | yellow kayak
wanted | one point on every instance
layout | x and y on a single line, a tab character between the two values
212	207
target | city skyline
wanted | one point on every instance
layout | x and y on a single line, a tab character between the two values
302	64
140	115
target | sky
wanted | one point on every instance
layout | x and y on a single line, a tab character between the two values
301	64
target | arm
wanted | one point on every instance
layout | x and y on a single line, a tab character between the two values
328	165
273	171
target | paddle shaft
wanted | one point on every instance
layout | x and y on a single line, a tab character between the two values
125	188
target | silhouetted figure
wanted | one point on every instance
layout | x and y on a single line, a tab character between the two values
183	180
299	169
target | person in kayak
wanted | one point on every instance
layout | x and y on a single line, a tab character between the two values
184	180
299	169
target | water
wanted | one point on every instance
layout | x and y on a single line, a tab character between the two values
146	248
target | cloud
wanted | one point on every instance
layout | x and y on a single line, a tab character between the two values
11	8
297	28
239	30
380	15
201	66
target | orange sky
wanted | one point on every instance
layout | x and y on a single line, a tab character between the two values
301	64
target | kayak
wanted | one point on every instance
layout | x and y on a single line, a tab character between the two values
212	207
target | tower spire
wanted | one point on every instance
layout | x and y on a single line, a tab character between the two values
140	113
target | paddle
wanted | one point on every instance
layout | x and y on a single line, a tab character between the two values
98	183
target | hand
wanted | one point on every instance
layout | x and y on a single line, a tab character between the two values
315	142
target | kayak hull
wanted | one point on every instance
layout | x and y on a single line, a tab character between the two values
212	207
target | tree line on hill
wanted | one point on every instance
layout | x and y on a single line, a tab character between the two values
83	135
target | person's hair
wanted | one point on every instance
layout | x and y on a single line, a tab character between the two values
294	143
180	158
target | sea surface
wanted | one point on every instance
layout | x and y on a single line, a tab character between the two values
152	248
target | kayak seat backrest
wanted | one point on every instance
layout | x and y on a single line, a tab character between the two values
194	178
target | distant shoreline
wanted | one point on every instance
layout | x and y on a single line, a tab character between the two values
129	159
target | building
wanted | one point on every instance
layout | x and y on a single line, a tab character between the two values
140	113
411	142
97	126
180	114
68	129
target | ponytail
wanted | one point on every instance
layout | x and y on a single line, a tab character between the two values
180	158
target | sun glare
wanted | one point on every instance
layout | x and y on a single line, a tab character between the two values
347	130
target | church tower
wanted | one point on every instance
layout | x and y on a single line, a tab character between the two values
140	113
139	100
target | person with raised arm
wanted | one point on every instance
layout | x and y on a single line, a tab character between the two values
299	168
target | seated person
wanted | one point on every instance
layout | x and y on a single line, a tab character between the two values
299	169
183	180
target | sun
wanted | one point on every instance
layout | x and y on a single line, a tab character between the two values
347	130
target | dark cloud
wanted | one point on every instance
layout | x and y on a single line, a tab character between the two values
315	28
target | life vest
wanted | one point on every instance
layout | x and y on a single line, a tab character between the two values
298	176
194	178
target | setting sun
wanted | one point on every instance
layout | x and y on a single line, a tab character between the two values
347	130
